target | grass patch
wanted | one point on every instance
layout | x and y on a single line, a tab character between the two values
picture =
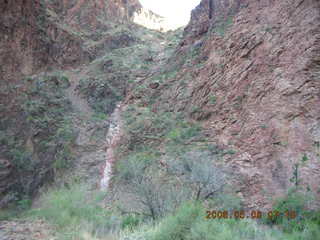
76	211
189	223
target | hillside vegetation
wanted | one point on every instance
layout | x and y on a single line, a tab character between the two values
110	130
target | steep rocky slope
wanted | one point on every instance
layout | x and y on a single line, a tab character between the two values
248	72
62	72
226	113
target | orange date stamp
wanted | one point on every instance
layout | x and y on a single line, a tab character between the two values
252	214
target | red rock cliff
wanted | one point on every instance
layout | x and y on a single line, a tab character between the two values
256	81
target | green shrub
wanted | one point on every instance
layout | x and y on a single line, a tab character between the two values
189	223
103	92
183	132
134	166
75	210
294	213
177	227
100	116
213	99
142	179
130	222
20	158
24	203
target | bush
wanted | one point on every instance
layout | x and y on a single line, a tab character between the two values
24	203
46	110
177	227
130	222
147	128
197	170
156	196
76	210
189	223
20	158
182	132
101	93
294	213
189	171
134	166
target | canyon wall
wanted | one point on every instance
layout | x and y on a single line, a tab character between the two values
253	82
248	71
45	37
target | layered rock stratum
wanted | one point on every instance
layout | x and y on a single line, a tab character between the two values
254	79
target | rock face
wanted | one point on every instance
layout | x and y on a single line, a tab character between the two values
247	70
42	36
256	82
208	13
32	41
83	13
150	20
36	33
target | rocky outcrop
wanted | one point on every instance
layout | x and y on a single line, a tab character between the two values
207	14
33	42
150	20
88	15
21	36
254	81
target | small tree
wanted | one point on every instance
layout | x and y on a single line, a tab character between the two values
197	169
153	192
157	197
295	174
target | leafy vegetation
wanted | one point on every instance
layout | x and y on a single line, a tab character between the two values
160	191
45	110
170	172
39	140
74	212
295	212
101	94
189	222
110	75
